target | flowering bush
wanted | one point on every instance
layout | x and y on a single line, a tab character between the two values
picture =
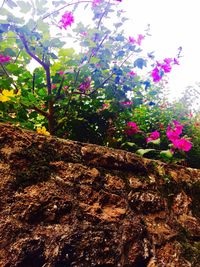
95	95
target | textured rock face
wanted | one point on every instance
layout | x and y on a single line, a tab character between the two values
65	203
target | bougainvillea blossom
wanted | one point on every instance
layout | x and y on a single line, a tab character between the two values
156	75
136	41
67	20
174	133
132	128
153	136
4	59
182	144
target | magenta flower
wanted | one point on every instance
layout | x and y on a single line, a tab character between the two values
166	68
96	2
67	20
174	133
132	40
139	39
156	75
132	128
168	61
182	144
153	136
61	72
126	103
131	73
4	59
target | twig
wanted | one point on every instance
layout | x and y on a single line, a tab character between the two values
110	76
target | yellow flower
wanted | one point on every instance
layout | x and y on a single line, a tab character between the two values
6	94
43	131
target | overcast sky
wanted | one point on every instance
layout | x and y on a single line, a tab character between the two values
174	23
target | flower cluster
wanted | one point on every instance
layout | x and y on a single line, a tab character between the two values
136	41
4	59
67	20
173	135
6	95
43	131
132	128
153	136
162	68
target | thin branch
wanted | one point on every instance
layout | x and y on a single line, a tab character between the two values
103	14
60	87
24	41
17	56
40	111
93	53
110	76
3	4
49	14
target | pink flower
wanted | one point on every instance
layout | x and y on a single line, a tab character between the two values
61	72
132	128
96	2
53	86
153	136
138	41
140	38
4	59
156	75
126	103
67	20
173	134
131	73
132	40
182	144
166	68
168	60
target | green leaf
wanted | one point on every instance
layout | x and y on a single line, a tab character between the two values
144	151
67	52
94	60
11	3
24	6
155	142
166	154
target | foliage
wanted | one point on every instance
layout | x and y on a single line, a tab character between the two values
94	93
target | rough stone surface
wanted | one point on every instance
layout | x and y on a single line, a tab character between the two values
65	203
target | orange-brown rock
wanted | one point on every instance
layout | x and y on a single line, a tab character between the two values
65	203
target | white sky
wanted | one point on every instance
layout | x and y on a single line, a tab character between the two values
173	23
